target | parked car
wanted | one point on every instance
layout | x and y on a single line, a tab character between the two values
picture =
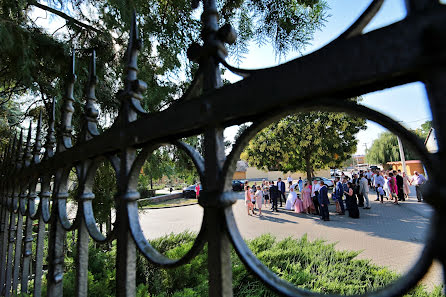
328	182
189	192
237	185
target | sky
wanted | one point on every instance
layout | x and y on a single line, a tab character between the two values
407	103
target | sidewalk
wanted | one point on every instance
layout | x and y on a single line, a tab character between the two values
166	191
387	234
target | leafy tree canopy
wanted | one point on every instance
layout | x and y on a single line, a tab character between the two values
385	148
423	130
305	142
33	57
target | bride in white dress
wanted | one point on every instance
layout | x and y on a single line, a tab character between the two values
292	196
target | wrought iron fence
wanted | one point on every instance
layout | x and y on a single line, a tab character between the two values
413	49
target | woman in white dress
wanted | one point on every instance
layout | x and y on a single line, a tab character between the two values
259	198
386	187
292	196
406	188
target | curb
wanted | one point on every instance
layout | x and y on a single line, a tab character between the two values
147	208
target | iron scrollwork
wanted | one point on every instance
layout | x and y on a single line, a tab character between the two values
353	64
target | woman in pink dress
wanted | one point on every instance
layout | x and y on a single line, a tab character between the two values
197	191
298	205
306	199
393	188
248	202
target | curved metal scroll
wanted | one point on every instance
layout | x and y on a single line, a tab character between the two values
132	209
282	287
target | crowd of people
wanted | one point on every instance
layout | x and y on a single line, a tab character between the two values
349	193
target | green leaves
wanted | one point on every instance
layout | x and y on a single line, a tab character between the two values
34	60
385	149
305	142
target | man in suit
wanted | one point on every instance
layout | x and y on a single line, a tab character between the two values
281	187
339	193
356	190
273	194
364	190
323	201
314	196
400	185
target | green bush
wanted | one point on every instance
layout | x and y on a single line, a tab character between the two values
315	266
312	265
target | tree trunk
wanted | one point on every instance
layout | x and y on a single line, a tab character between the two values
108	223
309	168
151	182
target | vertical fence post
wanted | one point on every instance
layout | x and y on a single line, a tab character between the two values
24	161
126	248
13	218
436	91
28	239
4	219
219	257
89	130
57	234
44	196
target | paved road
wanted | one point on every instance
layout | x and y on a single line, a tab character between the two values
388	234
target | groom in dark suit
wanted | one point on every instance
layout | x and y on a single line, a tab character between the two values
274	194
400	185
281	186
324	202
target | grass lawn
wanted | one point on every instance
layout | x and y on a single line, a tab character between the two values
168	203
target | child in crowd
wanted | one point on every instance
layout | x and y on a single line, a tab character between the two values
381	192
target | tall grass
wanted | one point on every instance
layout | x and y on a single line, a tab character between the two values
311	265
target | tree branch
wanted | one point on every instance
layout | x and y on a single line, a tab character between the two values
65	16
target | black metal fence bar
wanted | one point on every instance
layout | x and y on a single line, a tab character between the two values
413	49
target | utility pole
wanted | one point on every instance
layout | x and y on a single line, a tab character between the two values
402	157
365	153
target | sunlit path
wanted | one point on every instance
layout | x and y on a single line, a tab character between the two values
389	235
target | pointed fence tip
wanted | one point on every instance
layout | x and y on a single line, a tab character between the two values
39	120
29	131
134	41
53	111
73	61
92	67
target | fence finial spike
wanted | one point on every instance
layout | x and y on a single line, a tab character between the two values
91	113
92	67
134	42
38	141
19	149
28	139
50	137
53	111
73	61
134	46
64	141
28	147
39	122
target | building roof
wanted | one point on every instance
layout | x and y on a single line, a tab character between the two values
407	162
241	166
431	141
428	135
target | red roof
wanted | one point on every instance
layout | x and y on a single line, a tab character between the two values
407	162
